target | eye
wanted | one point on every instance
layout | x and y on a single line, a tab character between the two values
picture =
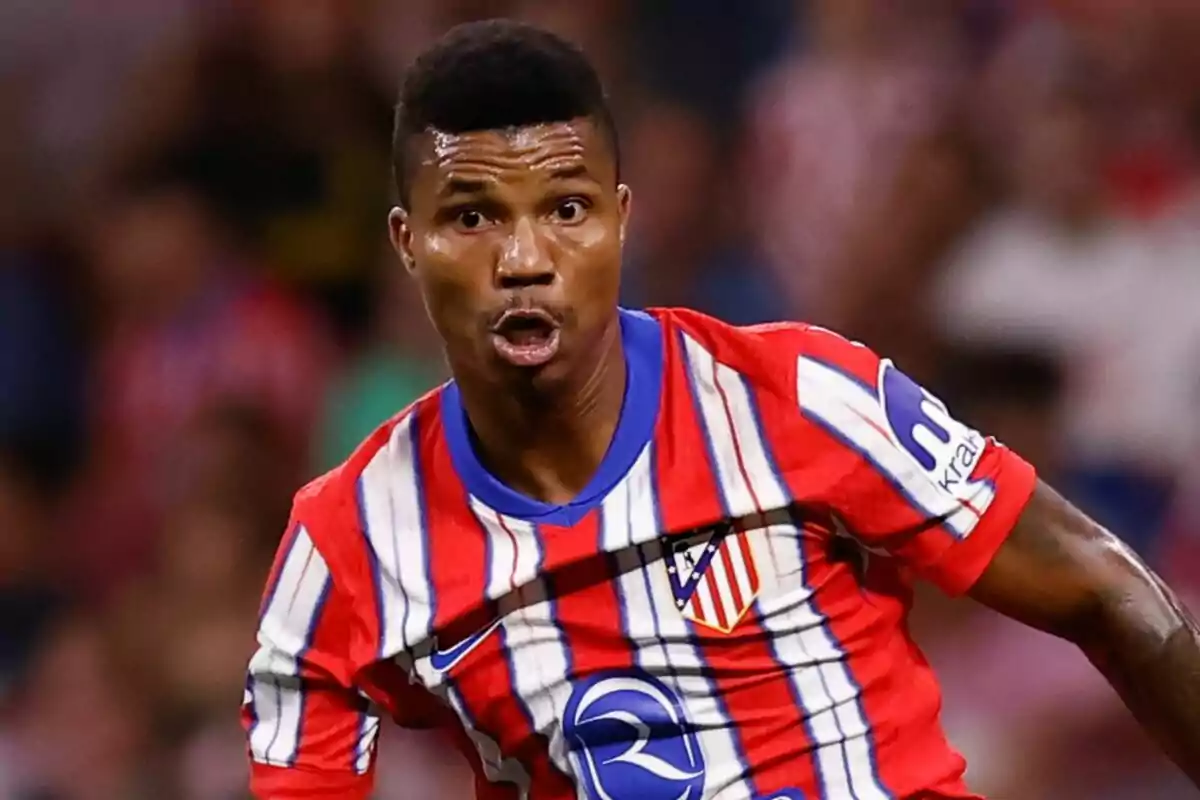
572	210
470	219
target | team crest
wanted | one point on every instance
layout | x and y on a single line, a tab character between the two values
713	576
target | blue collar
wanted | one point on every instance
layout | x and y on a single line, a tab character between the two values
641	336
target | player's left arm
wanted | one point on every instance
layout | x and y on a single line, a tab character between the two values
961	510
1062	573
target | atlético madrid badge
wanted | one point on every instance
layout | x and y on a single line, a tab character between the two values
713	575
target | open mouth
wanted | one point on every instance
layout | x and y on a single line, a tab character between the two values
526	337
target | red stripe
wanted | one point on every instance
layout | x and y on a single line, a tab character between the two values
833	348
748	560
281	555
875	426
351	563
457	547
441	720
756	693
688	493
880	656
484	678
549	783
352	558
878	653
586	605
778	748
823	474
710	580
278	783
329	723
734	588
345	642
458	563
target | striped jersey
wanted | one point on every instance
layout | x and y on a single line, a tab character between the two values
720	613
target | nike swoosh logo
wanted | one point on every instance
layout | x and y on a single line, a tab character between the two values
445	660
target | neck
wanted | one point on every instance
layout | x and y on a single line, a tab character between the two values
548	441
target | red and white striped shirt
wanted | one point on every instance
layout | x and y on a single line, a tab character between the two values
684	628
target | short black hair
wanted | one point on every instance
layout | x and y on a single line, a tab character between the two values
495	74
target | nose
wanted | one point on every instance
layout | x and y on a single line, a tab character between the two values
524	260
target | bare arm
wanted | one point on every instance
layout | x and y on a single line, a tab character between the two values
1062	573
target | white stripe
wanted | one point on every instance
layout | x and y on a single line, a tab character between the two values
632	503
536	655
699	694
302	577
502	553
283	636
391	500
712	409
801	638
501	564
392	505
496	767
841	403
664	644
529	551
803	644
366	744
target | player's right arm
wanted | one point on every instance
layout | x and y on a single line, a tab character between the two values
311	733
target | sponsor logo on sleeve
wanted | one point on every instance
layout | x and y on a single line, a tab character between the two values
946	450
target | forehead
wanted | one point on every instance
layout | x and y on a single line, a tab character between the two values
511	157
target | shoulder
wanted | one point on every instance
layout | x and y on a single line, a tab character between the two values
801	383
330	504
770	355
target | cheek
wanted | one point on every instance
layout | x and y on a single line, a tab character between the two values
596	235
601	270
452	282
595	252
439	248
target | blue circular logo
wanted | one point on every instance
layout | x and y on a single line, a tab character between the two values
631	739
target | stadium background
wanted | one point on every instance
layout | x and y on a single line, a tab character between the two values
198	311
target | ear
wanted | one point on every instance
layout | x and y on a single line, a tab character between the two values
624	207
401	235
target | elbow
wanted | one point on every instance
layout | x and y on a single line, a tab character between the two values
1131	609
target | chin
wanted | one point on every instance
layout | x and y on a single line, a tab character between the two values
542	378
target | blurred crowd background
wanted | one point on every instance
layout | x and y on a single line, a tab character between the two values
199	311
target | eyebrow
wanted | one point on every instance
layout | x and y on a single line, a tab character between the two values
568	173
462	186
471	186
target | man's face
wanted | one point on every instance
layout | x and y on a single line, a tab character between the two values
515	239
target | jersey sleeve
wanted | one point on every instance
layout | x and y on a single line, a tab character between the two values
311	732
898	472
